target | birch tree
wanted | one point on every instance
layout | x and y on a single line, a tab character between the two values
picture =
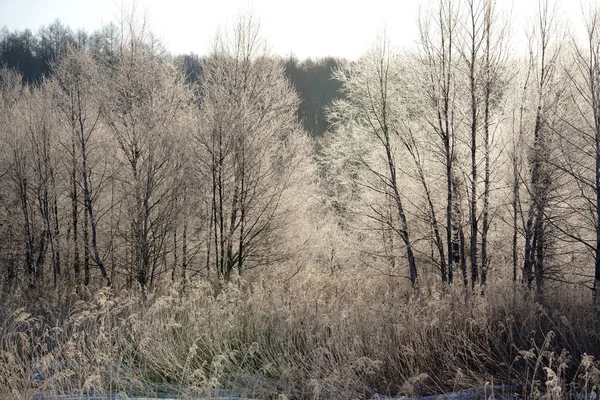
251	151
373	110
78	81
545	49
438	55
145	109
482	47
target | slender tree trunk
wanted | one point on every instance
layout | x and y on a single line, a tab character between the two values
463	257
402	216
596	295
87	196
231	261
473	210
449	209
473	201
74	216
144	240
594	77
184	255
529	251
488	16
209	235
56	230
432	216
86	250
49	235
173	271
485	226
29	252
535	229
215	223
458	236
242	210
540	257
221	211
515	215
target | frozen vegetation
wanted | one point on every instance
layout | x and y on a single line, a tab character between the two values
168	227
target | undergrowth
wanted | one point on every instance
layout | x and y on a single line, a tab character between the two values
316	335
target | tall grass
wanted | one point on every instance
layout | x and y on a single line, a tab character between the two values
347	334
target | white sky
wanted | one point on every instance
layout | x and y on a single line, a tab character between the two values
306	28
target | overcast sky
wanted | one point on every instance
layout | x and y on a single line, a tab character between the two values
306	28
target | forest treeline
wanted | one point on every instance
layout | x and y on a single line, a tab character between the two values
32	54
174	165
457	159
398	224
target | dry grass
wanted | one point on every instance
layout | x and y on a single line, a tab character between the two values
344	335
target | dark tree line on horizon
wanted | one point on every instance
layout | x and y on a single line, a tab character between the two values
32	54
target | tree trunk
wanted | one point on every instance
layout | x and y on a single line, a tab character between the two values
463	257
452	248
87	197
539	258
411	147
473	200
515	215
529	251
184	257
74	217
173	271
412	267
86	250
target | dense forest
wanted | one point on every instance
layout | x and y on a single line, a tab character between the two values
240	224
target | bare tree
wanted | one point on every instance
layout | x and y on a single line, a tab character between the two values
482	47
77	81
474	38
11	91
438	54
250	147
494	79
145	109
372	109
544	57
580	146
28	139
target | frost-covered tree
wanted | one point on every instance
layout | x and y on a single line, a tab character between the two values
146	109
252	153
438	57
78	89
371	122
545	87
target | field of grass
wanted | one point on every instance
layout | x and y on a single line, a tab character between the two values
342	335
